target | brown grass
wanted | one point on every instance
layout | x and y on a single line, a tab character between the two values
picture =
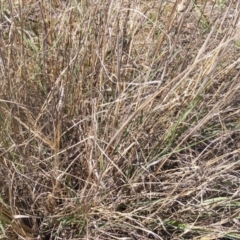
119	120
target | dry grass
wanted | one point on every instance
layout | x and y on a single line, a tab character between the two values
119	120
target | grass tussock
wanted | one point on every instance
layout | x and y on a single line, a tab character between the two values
119	120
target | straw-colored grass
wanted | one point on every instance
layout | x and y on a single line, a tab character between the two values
119	120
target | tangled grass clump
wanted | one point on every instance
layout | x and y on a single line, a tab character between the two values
119	120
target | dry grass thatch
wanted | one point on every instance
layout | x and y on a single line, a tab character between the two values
119	120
